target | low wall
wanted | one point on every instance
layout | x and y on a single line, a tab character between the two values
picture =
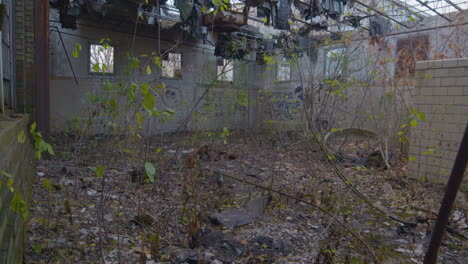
16	159
442	95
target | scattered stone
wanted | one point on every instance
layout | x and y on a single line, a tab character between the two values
40	174
108	217
232	218
388	191
66	182
91	192
419	251
216	261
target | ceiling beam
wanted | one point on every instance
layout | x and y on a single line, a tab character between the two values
454	5
433	10
382	14
404	6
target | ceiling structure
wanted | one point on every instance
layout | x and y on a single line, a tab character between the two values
259	20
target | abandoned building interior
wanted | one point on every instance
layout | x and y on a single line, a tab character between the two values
234	131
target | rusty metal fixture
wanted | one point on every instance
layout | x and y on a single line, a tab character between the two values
224	21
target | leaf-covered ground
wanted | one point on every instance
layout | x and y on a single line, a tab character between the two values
123	217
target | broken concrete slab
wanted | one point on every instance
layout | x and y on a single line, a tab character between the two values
232	218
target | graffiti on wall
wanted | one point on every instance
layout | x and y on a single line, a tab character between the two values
172	97
285	105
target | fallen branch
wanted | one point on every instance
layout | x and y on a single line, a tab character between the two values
303	201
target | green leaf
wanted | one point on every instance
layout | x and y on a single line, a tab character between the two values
413	123
430	150
411	158
150	171
47	184
37	248
144	88
127	151
50	149
100	171
149	102
139	117
17	204
76	50
33	127
10	186
113	103
422	116
96	67
148	70
8	175
404	125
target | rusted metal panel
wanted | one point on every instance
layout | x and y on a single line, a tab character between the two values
41	65
224	21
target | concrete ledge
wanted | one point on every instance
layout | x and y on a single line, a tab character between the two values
438	64
18	160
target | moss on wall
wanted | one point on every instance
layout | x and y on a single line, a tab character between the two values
16	159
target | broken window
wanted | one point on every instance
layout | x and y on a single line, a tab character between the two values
172	65
284	70
225	70
101	58
334	63
410	50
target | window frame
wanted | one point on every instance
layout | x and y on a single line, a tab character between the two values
419	43
218	74
279	63
177	78
90	67
343	69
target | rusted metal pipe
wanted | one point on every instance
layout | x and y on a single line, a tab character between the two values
453	186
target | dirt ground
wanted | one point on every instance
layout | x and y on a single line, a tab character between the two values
124	218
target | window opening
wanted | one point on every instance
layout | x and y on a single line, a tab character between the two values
172	66
101	58
225	70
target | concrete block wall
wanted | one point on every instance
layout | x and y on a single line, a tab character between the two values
68	99
18	160
441	93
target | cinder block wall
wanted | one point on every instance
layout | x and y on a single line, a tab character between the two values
441	93
18	160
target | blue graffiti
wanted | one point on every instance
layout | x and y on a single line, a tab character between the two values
286	104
